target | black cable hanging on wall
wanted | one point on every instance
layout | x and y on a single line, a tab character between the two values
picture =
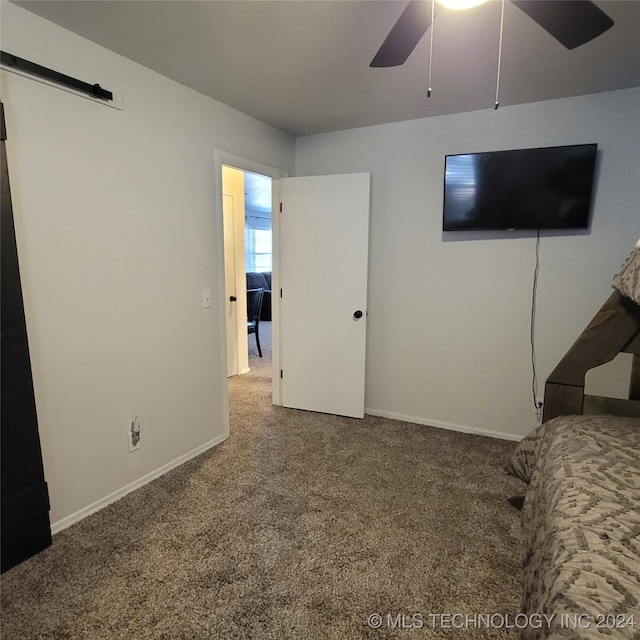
14	62
534	293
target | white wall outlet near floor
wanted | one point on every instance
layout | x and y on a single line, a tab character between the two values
133	437
538	409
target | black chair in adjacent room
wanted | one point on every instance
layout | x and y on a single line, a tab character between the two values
254	306
257	279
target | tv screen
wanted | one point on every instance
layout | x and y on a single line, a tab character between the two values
547	188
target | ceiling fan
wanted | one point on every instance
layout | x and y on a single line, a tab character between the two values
571	22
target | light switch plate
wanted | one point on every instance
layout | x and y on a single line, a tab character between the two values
206	298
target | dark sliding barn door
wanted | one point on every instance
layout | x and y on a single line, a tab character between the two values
25	499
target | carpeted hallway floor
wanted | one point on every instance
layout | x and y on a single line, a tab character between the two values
299	526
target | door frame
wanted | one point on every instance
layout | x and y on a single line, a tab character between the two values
245	164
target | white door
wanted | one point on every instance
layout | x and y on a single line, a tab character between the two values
230	285
324	245
234	271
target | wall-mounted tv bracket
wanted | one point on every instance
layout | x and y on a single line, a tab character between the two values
95	90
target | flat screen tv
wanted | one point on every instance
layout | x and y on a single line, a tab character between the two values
546	188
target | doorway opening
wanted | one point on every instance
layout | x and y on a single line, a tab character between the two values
334	211
248	263
223	161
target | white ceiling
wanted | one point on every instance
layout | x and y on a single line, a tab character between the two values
257	194
303	65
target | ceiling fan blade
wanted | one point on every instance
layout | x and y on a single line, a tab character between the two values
571	22
405	34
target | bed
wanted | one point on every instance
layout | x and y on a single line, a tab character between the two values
581	512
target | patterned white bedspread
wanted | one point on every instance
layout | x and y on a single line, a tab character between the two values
581	526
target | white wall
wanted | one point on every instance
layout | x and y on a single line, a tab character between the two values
448	340
117	237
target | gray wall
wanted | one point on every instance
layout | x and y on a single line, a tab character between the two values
118	236
448	340
117	232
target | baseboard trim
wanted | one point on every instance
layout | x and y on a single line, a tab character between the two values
449	426
136	484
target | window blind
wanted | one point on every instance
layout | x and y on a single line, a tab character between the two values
257	241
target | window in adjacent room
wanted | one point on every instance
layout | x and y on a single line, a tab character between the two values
257	238
257	223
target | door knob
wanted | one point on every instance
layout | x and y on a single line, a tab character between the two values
232	299
358	314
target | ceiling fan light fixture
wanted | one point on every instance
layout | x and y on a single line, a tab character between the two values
459	5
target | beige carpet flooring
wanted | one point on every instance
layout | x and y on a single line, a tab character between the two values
299	526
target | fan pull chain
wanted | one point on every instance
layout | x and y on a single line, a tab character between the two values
497	103
433	13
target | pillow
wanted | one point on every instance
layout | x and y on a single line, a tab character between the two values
521	462
627	280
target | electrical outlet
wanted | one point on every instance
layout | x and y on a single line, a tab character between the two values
133	437
132	447
538	409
